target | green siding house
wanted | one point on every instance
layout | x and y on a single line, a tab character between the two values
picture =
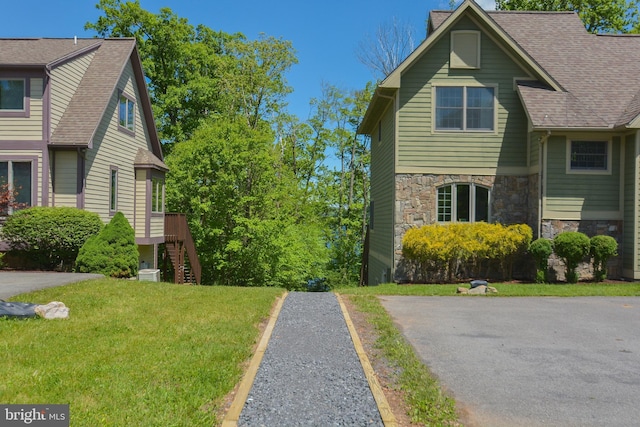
510	117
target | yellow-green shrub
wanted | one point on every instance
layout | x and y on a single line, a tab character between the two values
459	250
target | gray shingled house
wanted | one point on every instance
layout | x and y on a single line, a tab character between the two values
76	129
510	117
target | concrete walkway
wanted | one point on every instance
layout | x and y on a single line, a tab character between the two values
530	361
14	283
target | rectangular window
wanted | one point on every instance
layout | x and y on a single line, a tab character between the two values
445	206
113	191
471	203
465	108
157	194
589	155
126	110
12	93
15	186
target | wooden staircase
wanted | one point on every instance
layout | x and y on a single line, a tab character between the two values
180	250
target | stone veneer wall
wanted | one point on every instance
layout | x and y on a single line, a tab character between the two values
416	204
551	228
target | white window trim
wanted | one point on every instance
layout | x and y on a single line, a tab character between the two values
463	85
462	66
18	112
570	171
472	201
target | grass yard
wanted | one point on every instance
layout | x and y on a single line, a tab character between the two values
506	289
134	353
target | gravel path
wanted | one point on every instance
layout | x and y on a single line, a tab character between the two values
310	374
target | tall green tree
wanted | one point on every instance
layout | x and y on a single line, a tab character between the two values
599	16
195	73
240	210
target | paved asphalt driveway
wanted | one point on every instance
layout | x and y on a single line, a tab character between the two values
17	282
530	361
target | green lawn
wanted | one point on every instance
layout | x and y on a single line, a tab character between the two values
505	289
133	353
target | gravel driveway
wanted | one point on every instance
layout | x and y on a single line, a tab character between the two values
530	361
19	282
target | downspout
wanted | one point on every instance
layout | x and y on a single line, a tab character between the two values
541	156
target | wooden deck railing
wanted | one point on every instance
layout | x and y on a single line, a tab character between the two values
178	240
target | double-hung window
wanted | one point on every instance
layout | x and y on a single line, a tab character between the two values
465	108
463	203
15	185
126	113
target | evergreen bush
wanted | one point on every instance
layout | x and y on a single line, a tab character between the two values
602	248
572	247
541	249
49	237
113	252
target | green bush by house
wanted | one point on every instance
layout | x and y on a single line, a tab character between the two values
572	247
541	249
602	248
113	252
49	237
462	250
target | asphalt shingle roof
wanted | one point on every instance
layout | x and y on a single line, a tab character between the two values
83	115
86	108
600	73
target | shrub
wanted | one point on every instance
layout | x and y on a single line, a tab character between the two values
541	249
113	252
572	247
446	252
50	237
602	248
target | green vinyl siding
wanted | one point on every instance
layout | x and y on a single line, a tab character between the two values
422	147
574	194
382	195
534	148
630	229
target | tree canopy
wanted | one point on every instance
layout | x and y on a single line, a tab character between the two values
599	16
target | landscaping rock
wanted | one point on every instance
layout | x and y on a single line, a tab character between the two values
53	310
478	290
462	290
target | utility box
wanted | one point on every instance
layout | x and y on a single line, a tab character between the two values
149	275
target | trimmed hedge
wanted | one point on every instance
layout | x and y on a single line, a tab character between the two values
572	247
113	252
541	249
49	237
461	250
602	248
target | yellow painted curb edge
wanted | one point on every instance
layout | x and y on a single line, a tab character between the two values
233	415
388	418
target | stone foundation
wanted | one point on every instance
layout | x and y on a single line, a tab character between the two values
416	204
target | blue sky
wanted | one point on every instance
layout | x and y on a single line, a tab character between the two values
324	33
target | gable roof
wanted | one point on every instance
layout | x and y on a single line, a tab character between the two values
81	119
583	80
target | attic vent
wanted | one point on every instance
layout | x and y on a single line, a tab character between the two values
465	50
